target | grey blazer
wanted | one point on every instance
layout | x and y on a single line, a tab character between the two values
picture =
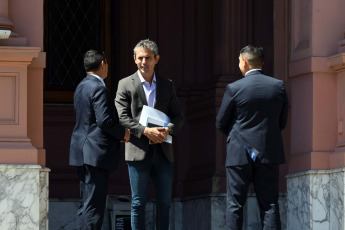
129	101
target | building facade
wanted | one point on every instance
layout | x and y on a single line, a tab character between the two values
199	42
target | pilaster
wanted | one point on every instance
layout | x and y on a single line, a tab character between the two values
15	145
315	84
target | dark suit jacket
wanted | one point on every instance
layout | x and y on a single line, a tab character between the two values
129	101
96	135
253	112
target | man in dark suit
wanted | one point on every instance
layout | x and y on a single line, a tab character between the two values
253	112
146	153
95	140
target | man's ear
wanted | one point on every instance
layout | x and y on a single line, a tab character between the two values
157	58
245	63
102	64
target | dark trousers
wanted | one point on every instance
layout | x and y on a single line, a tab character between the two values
265	178
93	194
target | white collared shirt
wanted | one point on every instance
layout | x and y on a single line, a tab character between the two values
150	90
252	70
98	77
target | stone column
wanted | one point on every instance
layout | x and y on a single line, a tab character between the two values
15	146
5	22
23	177
315	185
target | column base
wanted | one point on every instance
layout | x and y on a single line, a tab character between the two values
21	153
315	199
14	41
23	196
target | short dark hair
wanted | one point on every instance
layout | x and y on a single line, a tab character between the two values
93	59
254	55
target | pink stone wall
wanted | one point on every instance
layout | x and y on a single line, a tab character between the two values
27	17
22	59
316	29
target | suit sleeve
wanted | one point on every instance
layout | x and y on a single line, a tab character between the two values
175	113
225	114
105	113
123	106
285	109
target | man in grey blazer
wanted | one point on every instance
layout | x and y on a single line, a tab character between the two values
253	112
146	153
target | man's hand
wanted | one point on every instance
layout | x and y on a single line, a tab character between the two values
165	131
127	135
156	134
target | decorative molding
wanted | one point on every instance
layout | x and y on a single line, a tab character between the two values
337	62
39	62
341	48
301	29
18	55
309	65
9	98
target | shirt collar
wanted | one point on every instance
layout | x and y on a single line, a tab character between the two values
252	71
143	80
98	77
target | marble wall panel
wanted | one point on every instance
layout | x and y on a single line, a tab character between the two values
316	200
23	197
336	201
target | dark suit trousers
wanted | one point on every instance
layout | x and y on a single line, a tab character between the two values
265	178
93	195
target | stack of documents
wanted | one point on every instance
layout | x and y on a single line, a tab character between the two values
151	117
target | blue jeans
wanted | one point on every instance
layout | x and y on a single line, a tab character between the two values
160	170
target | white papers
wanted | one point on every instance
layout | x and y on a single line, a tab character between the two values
153	117
153	113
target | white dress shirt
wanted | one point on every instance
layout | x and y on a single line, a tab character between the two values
252	70
150	90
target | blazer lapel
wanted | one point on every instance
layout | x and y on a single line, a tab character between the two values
139	88
158	91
